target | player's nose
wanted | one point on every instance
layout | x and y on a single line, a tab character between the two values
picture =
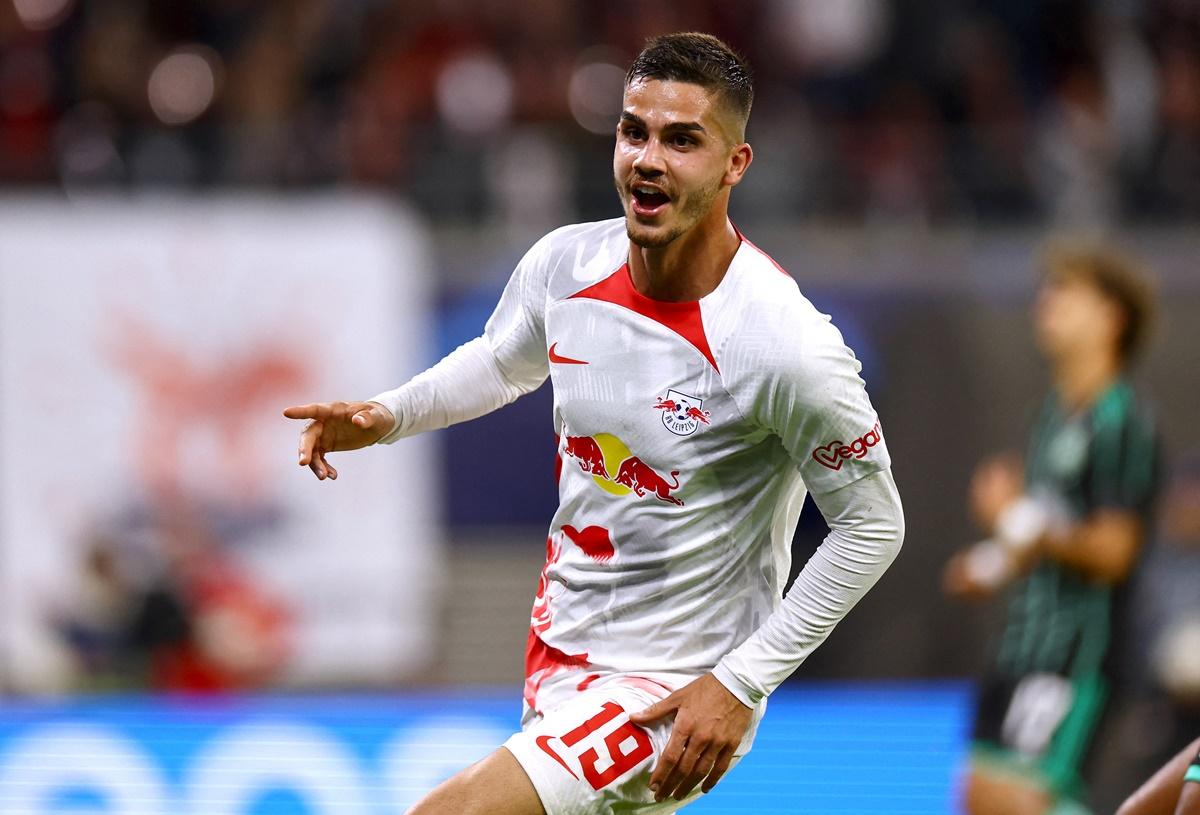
649	160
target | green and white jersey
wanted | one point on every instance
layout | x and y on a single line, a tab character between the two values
1060	621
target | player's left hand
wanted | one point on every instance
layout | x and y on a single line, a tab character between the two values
709	725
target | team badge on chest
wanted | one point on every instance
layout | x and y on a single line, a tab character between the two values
681	414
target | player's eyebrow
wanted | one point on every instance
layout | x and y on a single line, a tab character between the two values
634	119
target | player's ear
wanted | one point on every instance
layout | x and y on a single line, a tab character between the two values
739	162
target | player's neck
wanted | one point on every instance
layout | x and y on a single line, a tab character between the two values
1081	378
689	267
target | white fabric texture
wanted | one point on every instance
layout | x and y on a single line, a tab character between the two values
866	530
440	396
488	372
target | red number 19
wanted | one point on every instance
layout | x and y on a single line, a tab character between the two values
622	762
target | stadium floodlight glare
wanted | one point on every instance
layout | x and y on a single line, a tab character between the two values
41	15
183	85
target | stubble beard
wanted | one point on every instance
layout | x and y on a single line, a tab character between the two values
695	207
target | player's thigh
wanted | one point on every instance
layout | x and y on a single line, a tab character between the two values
585	756
991	793
494	786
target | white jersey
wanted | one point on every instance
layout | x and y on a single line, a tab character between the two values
688	435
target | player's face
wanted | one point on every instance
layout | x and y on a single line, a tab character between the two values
675	155
1071	316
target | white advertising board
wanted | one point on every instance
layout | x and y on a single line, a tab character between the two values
147	348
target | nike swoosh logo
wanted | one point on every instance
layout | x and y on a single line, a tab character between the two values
544	743
555	357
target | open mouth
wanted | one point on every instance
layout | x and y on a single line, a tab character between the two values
649	200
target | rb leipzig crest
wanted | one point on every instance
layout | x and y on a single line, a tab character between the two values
681	414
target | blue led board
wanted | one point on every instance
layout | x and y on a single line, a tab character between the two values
822	748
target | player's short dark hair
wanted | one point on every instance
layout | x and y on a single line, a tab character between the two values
1116	276
700	59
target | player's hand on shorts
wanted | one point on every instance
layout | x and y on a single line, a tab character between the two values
710	723
337	426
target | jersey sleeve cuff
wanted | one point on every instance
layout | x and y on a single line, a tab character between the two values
389	401
747	696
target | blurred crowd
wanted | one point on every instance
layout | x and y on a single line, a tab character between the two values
1075	112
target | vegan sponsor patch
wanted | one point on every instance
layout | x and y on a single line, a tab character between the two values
837	452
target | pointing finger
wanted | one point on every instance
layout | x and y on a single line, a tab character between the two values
313	410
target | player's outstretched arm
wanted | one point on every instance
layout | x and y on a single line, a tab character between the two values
336	426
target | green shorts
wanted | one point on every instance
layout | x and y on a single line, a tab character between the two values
1040	728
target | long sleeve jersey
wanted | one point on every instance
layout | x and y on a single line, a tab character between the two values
689	434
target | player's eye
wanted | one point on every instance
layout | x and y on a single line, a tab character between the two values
633	133
680	140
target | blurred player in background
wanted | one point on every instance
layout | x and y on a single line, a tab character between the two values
1065	535
1173	790
697	397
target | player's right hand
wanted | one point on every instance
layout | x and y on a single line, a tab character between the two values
977	572
336	426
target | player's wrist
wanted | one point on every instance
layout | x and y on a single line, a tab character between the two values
386	418
1021	524
748	696
387	412
989	564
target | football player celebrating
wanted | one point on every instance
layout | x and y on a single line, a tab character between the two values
698	397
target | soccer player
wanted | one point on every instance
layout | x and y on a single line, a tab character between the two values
697	397
1065	535
1173	790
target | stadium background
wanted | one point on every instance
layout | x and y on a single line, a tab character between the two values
213	209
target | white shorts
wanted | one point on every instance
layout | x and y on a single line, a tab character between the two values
585	756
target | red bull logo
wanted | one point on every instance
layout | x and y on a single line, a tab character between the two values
588	453
641	478
681	413
604	453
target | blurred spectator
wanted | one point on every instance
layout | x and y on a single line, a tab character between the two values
906	111
164	608
1066	535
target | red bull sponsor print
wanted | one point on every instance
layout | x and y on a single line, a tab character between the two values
641	478
589	455
603	454
594	541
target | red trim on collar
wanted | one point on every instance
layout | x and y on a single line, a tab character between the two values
747	241
682	318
